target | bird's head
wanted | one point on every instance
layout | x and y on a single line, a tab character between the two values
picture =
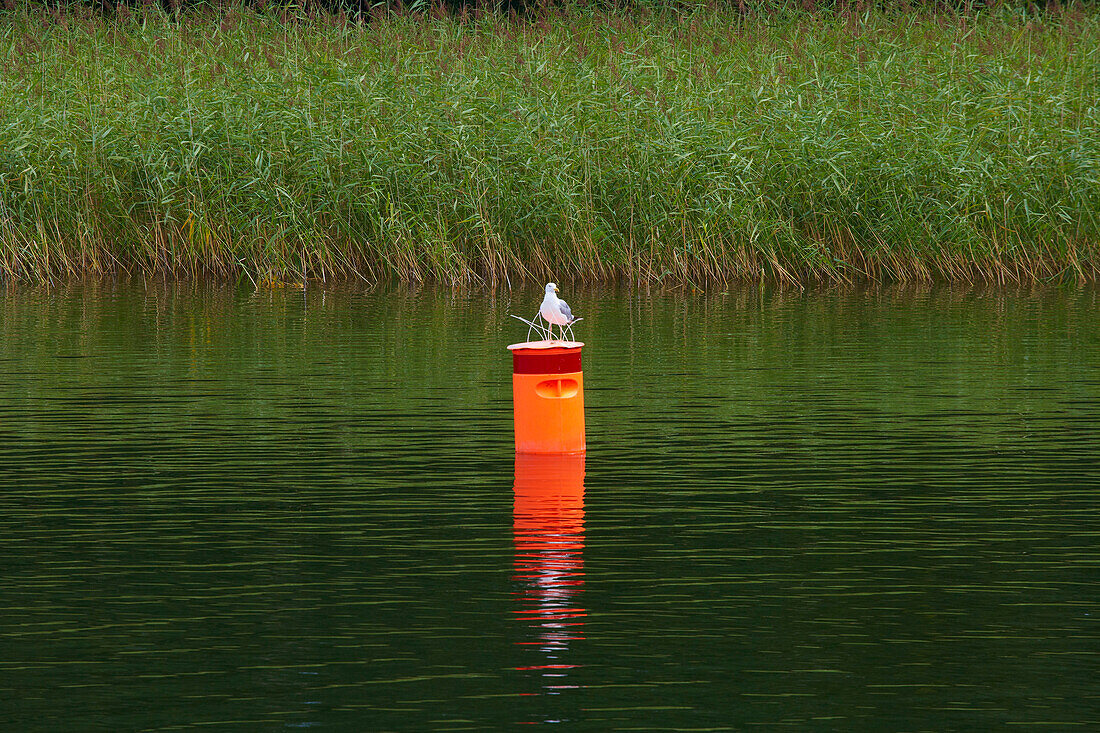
551	288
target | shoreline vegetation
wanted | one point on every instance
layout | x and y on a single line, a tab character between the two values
642	145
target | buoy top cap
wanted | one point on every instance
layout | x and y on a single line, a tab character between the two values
546	345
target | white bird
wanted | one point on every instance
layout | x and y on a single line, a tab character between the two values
555	311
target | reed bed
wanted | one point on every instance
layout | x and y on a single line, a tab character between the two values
654	146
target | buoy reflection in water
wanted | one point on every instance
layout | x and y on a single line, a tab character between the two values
548	520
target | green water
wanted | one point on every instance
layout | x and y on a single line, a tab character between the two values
828	510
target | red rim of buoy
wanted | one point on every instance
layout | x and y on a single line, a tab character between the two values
546	357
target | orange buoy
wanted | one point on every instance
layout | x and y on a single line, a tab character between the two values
548	396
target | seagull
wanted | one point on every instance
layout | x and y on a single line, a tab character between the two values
555	311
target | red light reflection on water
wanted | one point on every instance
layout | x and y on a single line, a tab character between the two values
548	522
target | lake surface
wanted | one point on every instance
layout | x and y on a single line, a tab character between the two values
829	510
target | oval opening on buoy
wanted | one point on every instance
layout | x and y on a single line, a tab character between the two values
557	389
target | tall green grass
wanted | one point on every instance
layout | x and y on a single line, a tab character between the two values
705	146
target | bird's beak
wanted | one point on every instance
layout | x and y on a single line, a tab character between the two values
555	290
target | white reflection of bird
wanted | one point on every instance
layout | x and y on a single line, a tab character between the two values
555	311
